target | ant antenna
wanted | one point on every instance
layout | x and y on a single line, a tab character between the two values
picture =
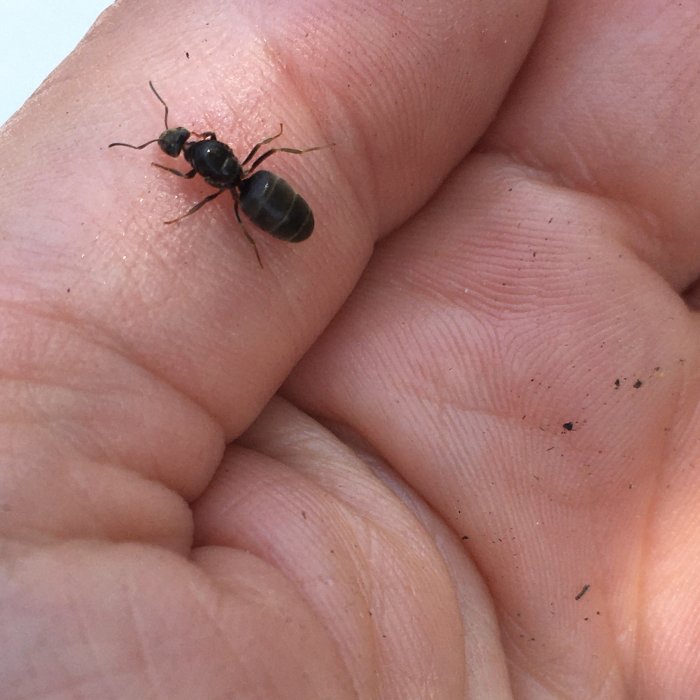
162	101
148	143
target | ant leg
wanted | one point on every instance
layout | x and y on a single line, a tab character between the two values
245	233
297	151
208	135
256	148
188	175
196	207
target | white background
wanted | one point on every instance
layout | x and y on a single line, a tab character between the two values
35	36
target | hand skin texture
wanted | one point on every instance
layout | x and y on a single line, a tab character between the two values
383	466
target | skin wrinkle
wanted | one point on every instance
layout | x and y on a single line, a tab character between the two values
139	636
100	459
100	527
442	540
214	613
95	335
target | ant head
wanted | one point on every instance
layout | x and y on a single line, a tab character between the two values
171	141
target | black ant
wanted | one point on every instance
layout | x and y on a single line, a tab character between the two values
266	199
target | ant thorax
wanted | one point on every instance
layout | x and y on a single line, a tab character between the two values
214	161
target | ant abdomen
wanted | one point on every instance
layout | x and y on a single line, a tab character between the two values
272	205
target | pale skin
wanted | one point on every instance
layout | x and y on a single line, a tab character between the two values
226	482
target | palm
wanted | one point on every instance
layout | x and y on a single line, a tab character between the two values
504	410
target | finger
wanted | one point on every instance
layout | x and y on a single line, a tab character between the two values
371	568
180	319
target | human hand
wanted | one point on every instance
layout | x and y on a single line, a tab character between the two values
408	517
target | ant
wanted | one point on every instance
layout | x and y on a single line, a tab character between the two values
266	199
